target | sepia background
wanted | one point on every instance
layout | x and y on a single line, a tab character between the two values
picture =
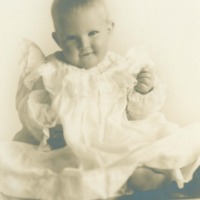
170	30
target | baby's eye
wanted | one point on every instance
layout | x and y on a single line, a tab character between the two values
71	38
93	33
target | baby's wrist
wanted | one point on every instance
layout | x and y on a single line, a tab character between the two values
150	90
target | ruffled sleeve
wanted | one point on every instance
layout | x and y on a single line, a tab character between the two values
33	102
139	105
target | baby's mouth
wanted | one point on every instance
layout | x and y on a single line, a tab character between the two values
85	54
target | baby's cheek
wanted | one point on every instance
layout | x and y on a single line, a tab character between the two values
100	45
71	58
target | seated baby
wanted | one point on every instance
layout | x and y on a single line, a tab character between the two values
104	106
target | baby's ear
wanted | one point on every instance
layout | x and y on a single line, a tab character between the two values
111	25
55	37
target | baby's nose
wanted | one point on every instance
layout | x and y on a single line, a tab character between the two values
84	42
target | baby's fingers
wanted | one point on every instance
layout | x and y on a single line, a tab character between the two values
50	117
144	75
145	72
146	69
142	88
146	80
47	116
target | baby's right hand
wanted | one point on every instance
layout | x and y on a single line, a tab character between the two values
47	116
144	179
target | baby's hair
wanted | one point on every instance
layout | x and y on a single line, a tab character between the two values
61	7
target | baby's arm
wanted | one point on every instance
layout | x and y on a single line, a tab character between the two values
33	108
32	131
146	97
33	101
146	94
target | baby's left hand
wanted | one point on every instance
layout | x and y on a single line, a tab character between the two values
145	80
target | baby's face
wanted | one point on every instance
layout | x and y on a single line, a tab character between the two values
83	36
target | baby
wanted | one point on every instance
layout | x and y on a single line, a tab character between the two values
82	31
104	106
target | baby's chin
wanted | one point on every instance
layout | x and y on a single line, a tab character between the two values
86	61
86	64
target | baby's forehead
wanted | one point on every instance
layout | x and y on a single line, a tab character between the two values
62	8
65	6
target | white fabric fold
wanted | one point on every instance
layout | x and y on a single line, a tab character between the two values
104	146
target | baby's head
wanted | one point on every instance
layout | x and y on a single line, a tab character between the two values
82	30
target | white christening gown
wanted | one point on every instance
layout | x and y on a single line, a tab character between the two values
109	128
